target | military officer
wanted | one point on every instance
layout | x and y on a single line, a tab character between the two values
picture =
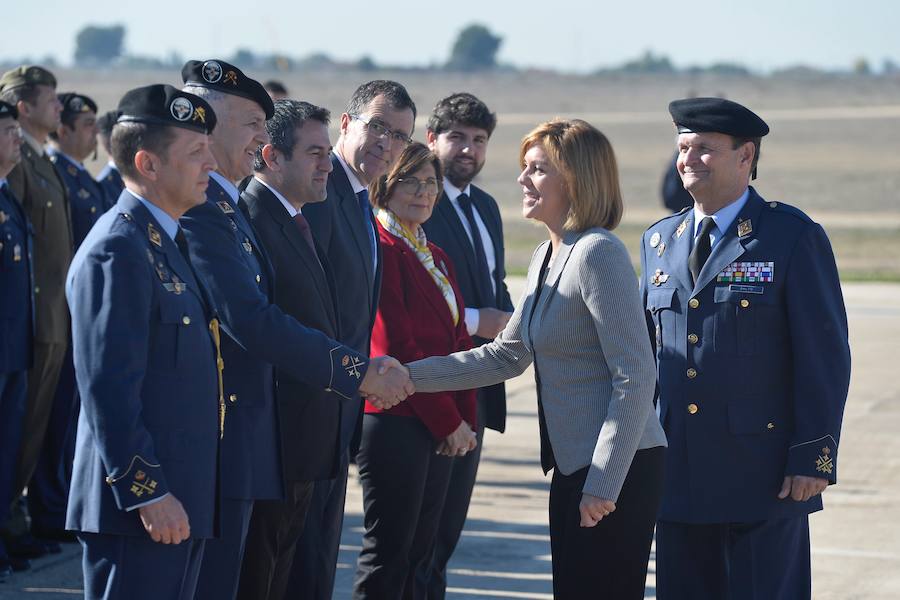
70	145
16	324
744	306
109	177
37	185
259	336
143	494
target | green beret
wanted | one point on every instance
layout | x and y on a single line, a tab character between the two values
26	75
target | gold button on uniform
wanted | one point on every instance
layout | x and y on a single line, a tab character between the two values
691	373
693	303
770	426
692	338
186	320
693	408
258	279
93	209
745	303
49	205
37	289
233	397
773	204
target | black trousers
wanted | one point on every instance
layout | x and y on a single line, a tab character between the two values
609	560
275	527
404	485
453	517
315	561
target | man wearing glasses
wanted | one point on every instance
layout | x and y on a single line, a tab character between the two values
376	127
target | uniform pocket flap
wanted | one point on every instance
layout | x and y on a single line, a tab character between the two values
749	294
659	299
749	415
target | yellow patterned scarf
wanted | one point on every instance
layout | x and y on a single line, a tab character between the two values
419	245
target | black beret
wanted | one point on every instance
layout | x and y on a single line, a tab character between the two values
700	115
8	111
26	75
162	104
106	121
226	78
74	104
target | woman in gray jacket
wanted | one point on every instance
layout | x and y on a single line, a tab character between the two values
580	322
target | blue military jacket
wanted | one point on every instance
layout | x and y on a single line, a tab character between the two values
259	337
111	181
145	364
87	199
16	300
754	362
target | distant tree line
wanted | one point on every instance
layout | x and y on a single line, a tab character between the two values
475	49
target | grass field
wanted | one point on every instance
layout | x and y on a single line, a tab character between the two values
834	150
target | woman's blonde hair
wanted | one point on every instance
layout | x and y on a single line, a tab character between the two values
586	160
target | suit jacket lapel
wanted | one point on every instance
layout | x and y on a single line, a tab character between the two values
494	227
553	276
348	205
731	246
289	230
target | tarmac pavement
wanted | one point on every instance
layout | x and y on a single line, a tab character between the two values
505	549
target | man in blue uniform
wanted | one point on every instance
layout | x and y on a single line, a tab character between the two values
16	322
228	255
745	309
109	177
70	145
143	496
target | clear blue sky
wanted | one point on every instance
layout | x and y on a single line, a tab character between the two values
562	34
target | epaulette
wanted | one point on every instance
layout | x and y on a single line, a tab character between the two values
787	209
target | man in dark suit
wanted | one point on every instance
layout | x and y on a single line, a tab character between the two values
744	305
376	127
466	225
16	322
259	336
37	185
143	496
292	171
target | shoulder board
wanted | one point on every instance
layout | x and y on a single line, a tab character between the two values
787	209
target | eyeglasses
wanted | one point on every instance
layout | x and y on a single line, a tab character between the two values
380	131
411	185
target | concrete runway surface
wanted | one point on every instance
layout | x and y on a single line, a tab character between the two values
505	549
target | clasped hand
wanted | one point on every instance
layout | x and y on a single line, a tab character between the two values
462	441
386	383
593	509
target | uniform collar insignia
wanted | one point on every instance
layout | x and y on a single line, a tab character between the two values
745	228
154	236
681	227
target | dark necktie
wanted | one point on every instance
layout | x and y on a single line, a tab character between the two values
303	226
483	273
366	209
702	248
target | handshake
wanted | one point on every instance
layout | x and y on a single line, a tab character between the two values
386	383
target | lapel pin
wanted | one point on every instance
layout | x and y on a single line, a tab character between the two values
654	239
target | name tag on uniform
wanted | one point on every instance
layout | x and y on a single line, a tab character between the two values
747	289
748	272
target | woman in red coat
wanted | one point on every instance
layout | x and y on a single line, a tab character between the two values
406	452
